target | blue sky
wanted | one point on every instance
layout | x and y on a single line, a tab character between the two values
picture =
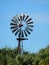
38	10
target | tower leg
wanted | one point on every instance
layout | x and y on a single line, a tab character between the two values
19	48
20	45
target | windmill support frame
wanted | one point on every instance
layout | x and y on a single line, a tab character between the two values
20	45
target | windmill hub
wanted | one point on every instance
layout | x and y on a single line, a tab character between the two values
21	25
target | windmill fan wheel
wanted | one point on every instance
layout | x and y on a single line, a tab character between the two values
21	25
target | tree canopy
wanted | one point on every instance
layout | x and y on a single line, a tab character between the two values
10	56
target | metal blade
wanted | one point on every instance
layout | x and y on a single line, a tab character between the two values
30	26
23	17
29	20
16	32
13	24
26	18
13	27
18	18
29	29
22	34
13	20
19	35
25	33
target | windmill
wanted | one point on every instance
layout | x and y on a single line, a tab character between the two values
21	26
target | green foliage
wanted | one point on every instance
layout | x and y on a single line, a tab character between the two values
10	56
44	61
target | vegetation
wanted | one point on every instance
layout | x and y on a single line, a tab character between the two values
10	56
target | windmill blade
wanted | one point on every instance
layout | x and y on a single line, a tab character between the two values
22	34
19	19
23	17
26	18
19	35
13	27
13	24
29	20
30	26
14	30
25	33
13	20
17	32
29	29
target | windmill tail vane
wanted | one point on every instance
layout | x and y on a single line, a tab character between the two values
21	26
